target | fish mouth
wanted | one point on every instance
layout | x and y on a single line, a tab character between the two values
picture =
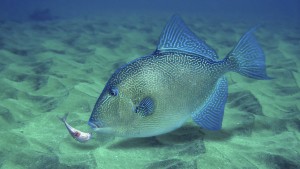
92	125
95	124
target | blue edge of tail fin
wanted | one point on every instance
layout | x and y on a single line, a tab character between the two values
247	58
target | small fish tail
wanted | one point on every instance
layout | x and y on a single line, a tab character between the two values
64	118
247	58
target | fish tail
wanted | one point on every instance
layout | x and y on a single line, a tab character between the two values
64	118
247	58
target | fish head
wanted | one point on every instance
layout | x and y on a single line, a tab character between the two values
122	106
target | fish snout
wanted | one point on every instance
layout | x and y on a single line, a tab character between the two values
94	121
94	124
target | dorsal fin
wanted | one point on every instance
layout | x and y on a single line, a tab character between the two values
177	36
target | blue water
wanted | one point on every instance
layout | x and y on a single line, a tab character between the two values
229	10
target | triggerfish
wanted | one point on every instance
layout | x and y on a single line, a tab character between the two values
182	78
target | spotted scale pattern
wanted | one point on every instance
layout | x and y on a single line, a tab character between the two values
178	83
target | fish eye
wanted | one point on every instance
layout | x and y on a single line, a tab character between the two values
113	91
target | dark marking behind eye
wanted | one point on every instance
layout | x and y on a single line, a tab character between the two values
146	107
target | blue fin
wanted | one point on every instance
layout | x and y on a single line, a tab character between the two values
177	36
146	107
211	114
247	58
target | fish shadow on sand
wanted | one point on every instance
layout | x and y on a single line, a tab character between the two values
84	146
185	135
98	140
187	140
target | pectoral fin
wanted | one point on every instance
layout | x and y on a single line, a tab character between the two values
145	107
211	114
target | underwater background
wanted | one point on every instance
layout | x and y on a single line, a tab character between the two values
56	56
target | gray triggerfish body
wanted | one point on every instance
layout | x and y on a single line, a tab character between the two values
182	78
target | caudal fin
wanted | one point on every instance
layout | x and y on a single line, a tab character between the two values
247	58
64	118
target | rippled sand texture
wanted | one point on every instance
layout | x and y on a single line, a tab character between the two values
50	68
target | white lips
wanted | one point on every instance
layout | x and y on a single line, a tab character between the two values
92	125
103	130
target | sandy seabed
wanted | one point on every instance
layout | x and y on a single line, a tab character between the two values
50	68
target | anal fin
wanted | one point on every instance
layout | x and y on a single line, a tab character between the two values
210	116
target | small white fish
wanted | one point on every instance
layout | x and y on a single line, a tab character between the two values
76	134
